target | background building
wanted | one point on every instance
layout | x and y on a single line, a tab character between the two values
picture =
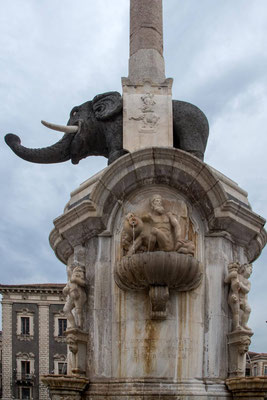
256	364
0	364
33	338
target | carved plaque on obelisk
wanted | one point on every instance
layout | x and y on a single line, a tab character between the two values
147	96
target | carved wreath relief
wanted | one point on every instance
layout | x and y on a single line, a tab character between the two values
158	252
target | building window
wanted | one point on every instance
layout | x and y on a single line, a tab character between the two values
25	392
62	326
265	370
25	325
25	366
62	368
25	369
255	370
60	364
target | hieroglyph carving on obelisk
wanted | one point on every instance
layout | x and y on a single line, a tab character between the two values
147	97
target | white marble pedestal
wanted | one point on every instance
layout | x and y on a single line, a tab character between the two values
185	354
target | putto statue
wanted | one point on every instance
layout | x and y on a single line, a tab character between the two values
76	297
157	230
237	278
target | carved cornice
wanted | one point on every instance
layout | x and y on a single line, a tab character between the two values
26	356
32	289
222	205
61	384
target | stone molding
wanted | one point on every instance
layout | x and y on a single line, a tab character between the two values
32	289
157	388
65	387
249	388
194	179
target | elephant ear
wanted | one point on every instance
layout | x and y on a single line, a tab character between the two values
107	105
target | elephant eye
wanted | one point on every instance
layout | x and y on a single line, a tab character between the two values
99	109
74	113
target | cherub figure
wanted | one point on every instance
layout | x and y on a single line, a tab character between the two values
233	298
239	287
132	236
76	297
244	271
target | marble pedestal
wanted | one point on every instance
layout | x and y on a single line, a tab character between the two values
183	355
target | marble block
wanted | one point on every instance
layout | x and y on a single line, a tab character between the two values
147	114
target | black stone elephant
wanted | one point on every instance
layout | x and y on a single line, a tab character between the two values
95	128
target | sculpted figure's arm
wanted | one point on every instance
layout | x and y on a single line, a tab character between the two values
245	286
176	226
79	281
232	275
146	217
66	290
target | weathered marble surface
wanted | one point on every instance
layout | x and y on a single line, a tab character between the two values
128	354
147	114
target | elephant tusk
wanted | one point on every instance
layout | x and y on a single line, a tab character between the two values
61	128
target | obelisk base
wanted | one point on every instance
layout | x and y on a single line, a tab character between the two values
147	114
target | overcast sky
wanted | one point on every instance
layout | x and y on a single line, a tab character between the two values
56	54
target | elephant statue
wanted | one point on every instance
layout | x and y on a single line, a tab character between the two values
95	128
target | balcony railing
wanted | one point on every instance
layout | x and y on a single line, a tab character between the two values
21	376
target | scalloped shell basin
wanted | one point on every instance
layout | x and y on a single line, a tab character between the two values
180	272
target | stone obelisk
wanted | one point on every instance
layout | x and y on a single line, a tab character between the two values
147	97
146	41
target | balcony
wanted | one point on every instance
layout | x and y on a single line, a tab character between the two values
21	376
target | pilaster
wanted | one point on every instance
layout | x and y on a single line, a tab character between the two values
7	349
43	348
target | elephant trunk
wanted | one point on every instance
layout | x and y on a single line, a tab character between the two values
58	152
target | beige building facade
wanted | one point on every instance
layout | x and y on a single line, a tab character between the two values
256	364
